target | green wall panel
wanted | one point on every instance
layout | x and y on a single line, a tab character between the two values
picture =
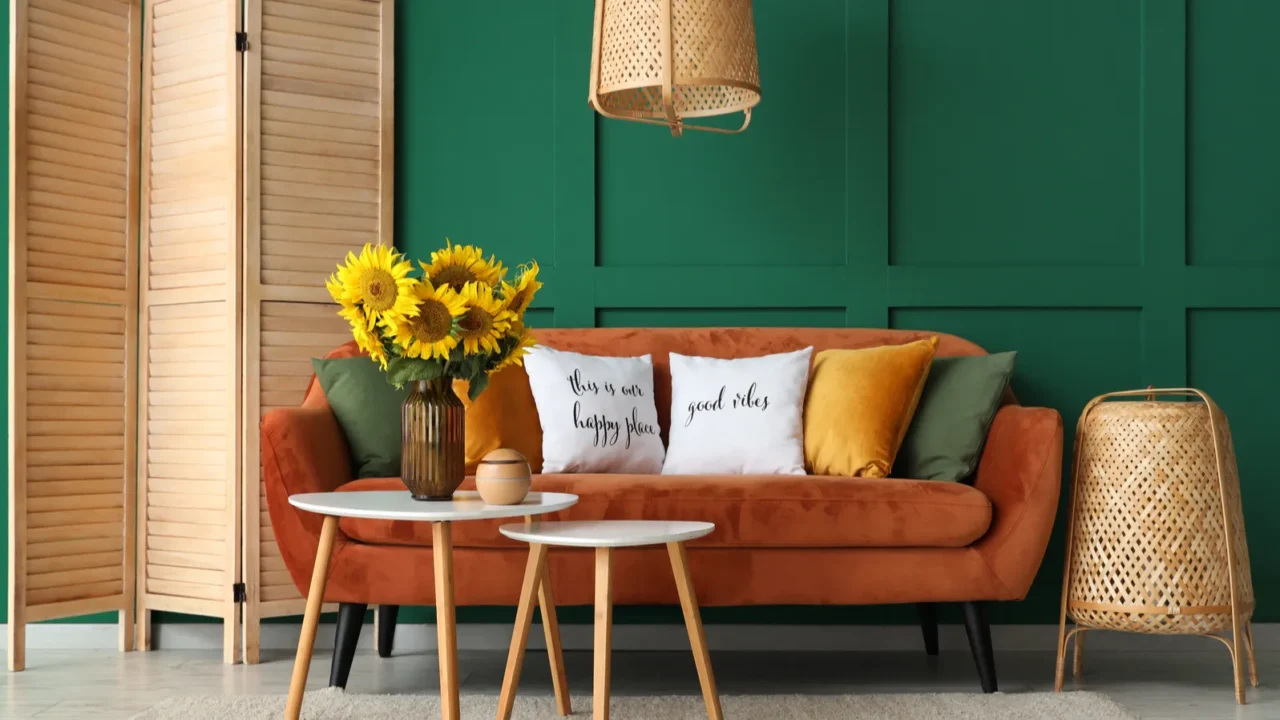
473	128
711	199
1015	136
1066	357
1244	384
1233	72
720	317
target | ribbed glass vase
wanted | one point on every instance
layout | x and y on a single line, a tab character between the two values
433	431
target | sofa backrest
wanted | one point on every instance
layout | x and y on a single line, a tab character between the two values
710	342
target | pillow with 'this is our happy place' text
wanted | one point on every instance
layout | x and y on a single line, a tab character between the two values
597	413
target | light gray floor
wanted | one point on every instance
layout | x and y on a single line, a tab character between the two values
103	685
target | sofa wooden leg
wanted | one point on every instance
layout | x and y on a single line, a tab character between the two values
979	632
929	626
387	628
350	620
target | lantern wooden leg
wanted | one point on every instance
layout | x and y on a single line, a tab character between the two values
1064	639
1253	665
1237	655
1077	664
1235	674
1061	666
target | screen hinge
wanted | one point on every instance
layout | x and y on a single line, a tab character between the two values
238	592
242	41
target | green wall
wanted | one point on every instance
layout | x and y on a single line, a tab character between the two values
1089	182
1092	183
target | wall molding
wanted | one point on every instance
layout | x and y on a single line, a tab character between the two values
727	637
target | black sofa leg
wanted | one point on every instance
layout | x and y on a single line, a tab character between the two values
979	632
350	619
387	628
929	626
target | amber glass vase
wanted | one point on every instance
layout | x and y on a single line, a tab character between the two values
433	452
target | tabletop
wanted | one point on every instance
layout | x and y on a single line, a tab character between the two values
398	505
607	533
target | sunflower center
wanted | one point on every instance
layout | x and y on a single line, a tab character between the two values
434	323
476	322
454	276
378	289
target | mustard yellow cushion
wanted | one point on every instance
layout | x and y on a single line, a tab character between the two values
504	416
859	407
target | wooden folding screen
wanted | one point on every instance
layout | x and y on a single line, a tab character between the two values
72	311
190	434
319	97
242	225
147	338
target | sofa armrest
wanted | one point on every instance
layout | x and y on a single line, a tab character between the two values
1021	473
303	451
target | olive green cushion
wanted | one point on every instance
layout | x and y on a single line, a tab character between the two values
959	402
368	409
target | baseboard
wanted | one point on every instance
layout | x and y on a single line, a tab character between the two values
496	636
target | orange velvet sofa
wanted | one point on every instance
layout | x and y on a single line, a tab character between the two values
779	540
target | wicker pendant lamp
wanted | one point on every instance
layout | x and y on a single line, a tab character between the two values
661	61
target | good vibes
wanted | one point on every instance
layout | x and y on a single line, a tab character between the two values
749	400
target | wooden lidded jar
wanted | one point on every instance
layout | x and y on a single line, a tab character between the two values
502	477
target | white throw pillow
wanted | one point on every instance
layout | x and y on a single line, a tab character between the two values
743	416
597	413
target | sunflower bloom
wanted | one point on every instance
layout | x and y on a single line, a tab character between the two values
519	296
430	333
485	320
518	352
457	265
378	282
366	339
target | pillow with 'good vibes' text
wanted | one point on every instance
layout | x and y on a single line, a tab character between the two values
597	413
738	417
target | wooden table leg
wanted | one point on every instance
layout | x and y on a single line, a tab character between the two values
604	632
315	598
693	622
551	629
520	634
446	628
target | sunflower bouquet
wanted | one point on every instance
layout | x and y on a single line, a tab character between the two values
460	319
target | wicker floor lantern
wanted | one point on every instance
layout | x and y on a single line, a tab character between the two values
661	61
1156	539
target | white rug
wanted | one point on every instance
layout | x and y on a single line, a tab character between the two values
332	704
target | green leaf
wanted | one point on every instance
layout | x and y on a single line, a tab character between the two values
478	384
401	370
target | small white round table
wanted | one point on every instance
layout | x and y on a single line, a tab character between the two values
398	505
604	536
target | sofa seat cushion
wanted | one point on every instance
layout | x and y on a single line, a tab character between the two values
750	511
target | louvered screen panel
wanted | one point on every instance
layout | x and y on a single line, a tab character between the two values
192	202
319	95
191	344
324	69
292	334
187	494
72	311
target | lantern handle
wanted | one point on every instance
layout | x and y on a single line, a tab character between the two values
1150	393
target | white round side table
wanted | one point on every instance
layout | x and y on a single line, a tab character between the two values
604	536
398	505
